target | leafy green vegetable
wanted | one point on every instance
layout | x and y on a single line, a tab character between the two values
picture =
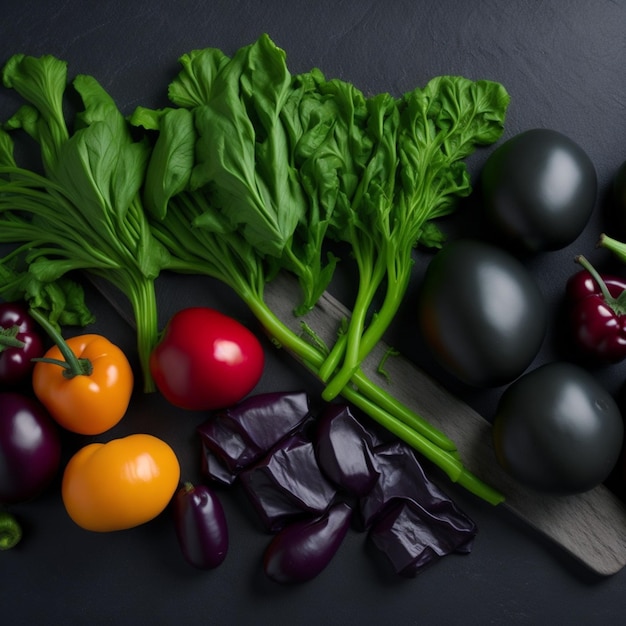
61	302
84	212
274	166
415	174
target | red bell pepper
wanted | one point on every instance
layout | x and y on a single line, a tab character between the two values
598	313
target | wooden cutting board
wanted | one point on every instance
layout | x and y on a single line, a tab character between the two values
591	527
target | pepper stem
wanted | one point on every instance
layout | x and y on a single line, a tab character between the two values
8	338
10	531
72	365
596	277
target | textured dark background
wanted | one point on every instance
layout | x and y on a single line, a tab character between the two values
563	64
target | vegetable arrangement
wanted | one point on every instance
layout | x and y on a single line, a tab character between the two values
254	172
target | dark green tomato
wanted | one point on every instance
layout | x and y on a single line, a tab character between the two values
481	313
539	189
558	430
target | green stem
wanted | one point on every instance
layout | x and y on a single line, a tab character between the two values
73	366
389	403
618	248
447	462
369	282
8	338
606	294
143	300
10	531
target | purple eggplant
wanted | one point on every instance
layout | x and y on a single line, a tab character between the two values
410	519
30	448
241	435
403	478
288	483
200	525
301	550
411	543
344	450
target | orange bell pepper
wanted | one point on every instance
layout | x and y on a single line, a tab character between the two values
120	484
85	382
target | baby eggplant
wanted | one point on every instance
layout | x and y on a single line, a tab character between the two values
300	551
30	448
200	525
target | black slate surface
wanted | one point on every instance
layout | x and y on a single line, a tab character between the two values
563	65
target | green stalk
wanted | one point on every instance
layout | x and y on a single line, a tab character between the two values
449	463
618	248
142	297
370	278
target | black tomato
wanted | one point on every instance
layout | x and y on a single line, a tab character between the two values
481	313
539	190
558	430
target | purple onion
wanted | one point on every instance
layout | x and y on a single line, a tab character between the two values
200	526
301	550
30	448
343	449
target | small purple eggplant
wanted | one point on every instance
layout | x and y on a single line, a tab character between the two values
242	434
30	448
343	449
200	525
300	551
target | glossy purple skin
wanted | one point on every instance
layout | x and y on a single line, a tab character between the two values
30	448
304	548
15	362
343	449
241	435
402	478
200	525
288	483
412	543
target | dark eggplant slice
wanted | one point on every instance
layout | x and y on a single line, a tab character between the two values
344	450
242	434
412	543
288	483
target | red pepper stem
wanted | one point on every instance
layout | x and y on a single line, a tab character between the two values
596	277
72	365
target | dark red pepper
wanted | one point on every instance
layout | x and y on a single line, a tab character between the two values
20	342
598	313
